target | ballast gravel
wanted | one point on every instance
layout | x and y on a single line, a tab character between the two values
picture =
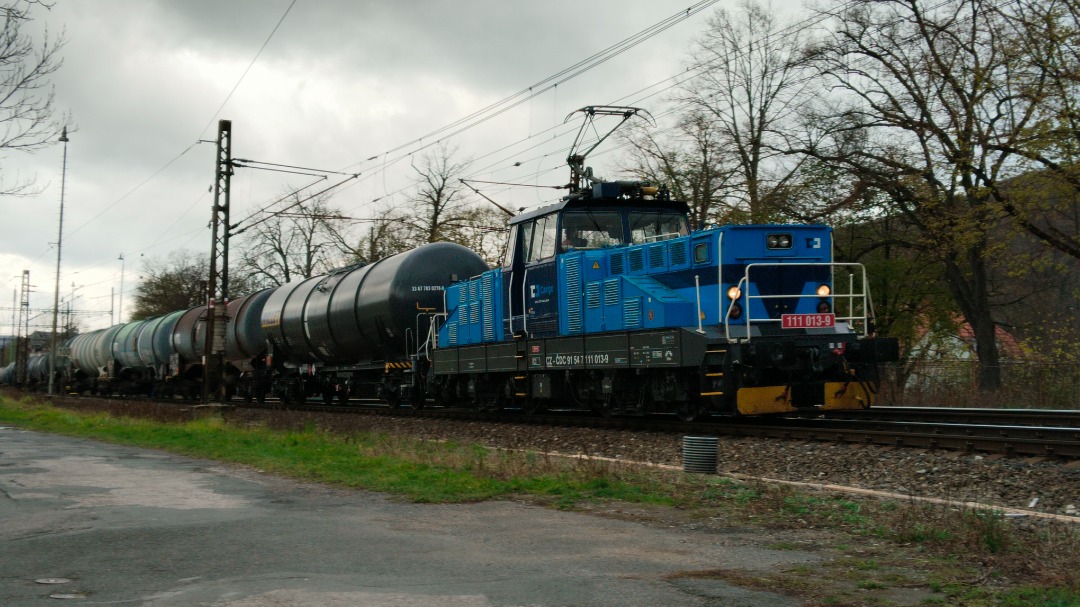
1043	485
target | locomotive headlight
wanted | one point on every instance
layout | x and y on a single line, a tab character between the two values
778	241
824	291
734	293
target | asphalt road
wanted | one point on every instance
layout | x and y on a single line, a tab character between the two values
127	526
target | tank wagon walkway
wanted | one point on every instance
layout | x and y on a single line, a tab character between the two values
118	525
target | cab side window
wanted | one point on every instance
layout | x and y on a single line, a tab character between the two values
526	240
547	249
542	234
511	244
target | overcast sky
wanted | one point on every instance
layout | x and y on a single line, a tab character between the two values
338	83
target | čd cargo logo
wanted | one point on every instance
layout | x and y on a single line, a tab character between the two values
540	290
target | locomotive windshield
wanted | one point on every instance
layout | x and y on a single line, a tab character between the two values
651	226
591	230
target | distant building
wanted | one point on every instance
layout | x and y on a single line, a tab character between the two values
40	341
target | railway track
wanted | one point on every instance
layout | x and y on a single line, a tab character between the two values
1013	432
1017	417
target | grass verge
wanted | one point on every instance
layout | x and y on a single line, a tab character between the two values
875	552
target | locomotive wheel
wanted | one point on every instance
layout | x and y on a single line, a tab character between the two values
328	396
534	406
688	411
491	404
605	406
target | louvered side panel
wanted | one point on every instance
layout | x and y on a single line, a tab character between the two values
632	313
574	319
679	250
488	311
618	263
592	295
656	256
611	291
636	259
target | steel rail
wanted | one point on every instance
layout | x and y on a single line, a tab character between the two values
1011	440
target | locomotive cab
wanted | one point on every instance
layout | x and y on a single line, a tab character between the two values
608	216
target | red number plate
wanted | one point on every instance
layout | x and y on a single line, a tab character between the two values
807	321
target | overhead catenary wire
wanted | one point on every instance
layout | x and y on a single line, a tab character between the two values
172	161
389	162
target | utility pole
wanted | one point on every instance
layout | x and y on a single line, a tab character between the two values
120	311
22	344
218	286
14	327
56	291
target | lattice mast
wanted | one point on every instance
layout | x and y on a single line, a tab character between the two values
218	284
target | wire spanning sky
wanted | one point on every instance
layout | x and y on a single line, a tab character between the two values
332	84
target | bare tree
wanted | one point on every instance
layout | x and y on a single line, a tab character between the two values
693	163
752	85
298	243
384	232
440	205
441	209
27	111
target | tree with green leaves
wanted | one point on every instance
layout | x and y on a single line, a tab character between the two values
924	95
177	282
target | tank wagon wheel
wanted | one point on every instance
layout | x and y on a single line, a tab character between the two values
393	398
293	394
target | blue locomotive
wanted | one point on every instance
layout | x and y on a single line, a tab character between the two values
607	301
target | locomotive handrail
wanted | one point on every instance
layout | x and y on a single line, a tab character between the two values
432	335
524	307
852	298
